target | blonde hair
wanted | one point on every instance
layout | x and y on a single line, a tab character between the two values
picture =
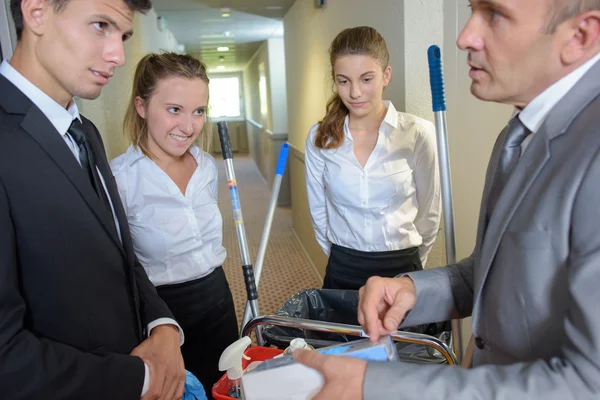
361	40
149	72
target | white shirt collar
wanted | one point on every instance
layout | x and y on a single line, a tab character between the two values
134	154
391	119
534	114
58	116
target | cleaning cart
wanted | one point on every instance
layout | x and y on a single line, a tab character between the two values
322	317
437	351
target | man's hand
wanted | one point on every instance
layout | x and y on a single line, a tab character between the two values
162	354
383	304
344	376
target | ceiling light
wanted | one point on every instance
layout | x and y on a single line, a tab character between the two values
227	33
220	67
225	12
223	48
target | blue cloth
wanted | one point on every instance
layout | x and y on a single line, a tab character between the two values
193	388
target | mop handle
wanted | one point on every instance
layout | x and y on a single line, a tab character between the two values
237	214
262	249
279	171
436	79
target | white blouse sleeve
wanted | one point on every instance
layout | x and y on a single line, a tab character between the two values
427	182
315	187
215	175
121	179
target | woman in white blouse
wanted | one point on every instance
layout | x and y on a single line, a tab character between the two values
371	171
169	190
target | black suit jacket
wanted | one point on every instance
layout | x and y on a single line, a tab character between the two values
74	300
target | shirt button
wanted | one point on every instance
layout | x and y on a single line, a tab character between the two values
479	343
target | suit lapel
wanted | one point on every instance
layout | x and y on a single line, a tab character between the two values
43	132
111	186
533	160
37	125
528	168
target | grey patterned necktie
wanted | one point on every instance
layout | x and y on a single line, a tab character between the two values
516	132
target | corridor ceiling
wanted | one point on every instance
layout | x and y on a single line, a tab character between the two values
201	28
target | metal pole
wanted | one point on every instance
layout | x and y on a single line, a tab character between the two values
436	79
251	290
283	154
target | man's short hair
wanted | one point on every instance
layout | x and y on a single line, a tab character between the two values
562	10
15	9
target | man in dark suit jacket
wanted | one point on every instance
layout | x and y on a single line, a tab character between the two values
79	318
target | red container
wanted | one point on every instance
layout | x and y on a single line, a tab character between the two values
219	390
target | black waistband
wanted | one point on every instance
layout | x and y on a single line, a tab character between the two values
375	254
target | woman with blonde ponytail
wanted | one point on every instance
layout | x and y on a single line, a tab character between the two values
371	171
168	185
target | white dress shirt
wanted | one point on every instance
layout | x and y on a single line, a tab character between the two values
392	203
535	113
61	119
176	237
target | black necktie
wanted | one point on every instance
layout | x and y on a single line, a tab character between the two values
86	158
516	132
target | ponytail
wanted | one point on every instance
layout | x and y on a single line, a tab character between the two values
330	132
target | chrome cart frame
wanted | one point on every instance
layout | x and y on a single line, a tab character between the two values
352	330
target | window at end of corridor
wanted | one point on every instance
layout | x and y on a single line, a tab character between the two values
225	97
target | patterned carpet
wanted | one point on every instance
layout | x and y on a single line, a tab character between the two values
286	268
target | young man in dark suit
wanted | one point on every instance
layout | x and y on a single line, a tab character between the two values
79	318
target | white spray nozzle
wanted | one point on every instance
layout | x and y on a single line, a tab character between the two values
298	343
231	358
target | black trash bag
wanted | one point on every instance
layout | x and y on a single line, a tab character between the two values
327	305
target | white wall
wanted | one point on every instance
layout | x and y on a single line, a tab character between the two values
251	86
108	110
269	60
265	98
277	86
422	28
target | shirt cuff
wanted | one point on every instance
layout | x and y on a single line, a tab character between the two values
166	321
146	380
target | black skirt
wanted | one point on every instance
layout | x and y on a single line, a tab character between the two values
205	311
349	269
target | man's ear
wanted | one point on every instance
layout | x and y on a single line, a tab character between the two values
34	12
140	107
582	37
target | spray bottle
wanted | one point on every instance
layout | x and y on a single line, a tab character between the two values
231	361
296	344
